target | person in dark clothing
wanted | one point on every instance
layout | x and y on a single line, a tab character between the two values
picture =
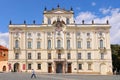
33	74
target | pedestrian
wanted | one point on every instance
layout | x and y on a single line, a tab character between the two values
33	74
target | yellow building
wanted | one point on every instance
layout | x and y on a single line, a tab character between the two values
58	45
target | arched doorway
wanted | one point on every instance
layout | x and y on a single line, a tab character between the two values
103	69
4	68
59	68
16	67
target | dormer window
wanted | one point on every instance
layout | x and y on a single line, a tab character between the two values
49	21
67	21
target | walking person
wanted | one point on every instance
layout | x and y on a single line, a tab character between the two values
33	74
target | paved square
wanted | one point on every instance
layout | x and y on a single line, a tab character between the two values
26	76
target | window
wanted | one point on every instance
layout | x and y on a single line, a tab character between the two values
88	34
89	66
79	55
49	21
79	44
29	45
39	56
67	21
80	66
39	66
59	55
29	55
68	34
102	55
88	44
58	43
68	56
101	43
38	34
68	44
29	66
38	45
49	44
16	43
49	55
17	56
78	33
100	33
89	55
29	34
48	33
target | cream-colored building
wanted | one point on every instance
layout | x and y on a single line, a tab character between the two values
58	45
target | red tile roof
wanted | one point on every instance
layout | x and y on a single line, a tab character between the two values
3	48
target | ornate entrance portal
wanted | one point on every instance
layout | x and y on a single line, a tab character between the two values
59	68
16	67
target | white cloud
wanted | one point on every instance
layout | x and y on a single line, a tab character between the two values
4	39
93	4
113	17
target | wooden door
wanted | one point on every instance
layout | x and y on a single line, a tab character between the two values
69	68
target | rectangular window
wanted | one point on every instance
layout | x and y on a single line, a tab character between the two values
102	55
29	66
88	34
68	44
68	56
89	55
88	44
59	55
89	66
39	56
80	66
29	55
17	56
49	55
39	66
29	45
38	45
79	44
79	55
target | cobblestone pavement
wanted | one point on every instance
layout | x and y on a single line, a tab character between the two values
26	76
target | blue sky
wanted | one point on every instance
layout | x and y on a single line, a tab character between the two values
29	10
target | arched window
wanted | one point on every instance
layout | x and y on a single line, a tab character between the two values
68	44
67	21
101	43
49	21
49	44
58	43
16	44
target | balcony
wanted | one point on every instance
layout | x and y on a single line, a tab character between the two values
16	50
102	50
59	48
59	59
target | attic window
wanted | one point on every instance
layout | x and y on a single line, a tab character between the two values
49	21
67	21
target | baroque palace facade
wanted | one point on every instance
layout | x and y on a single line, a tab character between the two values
58	45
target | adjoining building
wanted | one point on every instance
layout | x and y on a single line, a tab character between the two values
59	45
3	59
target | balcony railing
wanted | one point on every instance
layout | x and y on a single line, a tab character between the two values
59	48
16	50
102	50
59	59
